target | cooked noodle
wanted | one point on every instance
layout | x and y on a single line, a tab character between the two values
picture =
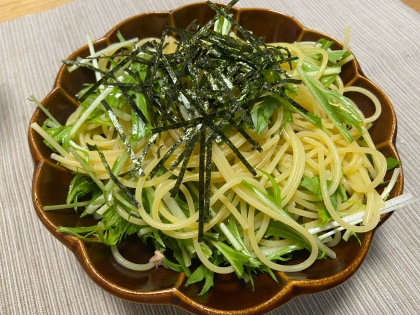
301	149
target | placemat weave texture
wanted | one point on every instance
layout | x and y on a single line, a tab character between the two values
38	275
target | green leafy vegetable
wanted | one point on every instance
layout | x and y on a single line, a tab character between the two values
198	275
58	133
80	186
279	229
236	259
337	107
324	215
391	163
313	185
263	111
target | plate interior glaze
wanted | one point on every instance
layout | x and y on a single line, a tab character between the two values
162	286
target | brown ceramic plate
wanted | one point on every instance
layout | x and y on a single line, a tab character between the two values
163	286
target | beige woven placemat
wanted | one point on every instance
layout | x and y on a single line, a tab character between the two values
38	275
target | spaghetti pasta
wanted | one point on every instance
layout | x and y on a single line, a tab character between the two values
306	173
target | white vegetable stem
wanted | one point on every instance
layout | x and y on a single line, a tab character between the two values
89	110
92	52
356	218
105	52
391	184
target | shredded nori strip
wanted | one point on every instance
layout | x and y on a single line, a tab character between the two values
137	166
134	107
109	74
201	184
83	65
124	190
185	159
168	153
245	135
208	168
121	133
208	85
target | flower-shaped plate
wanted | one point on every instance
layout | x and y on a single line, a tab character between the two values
162	286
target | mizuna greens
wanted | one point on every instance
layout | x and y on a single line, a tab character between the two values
219	147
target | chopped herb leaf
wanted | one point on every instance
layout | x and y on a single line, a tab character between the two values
391	163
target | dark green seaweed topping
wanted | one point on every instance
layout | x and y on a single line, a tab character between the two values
205	88
121	133
84	65
137	166
209	166
201	183
184	157
124	190
109	75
